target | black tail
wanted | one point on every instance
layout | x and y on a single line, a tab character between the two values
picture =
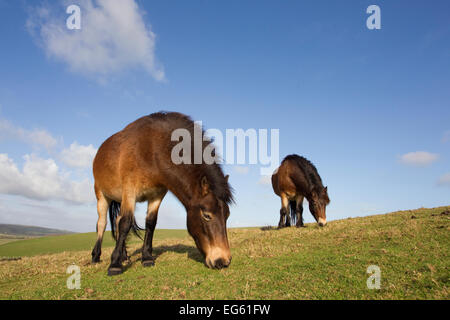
293	205
114	211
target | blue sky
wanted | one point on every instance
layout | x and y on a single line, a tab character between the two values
370	108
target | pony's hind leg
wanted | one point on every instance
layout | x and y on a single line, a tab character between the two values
284	213
102	210
150	224
124	225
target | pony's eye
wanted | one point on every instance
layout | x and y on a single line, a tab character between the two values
205	215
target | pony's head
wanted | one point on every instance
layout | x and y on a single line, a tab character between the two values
206	223
317	205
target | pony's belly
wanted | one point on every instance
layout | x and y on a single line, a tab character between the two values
113	194
150	193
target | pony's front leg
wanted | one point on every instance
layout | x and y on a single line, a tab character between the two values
299	212
150	223
124	256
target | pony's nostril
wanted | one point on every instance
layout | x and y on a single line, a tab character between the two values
220	263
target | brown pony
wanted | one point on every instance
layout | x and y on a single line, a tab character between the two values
295	179
135	165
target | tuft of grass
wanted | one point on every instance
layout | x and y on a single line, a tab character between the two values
410	247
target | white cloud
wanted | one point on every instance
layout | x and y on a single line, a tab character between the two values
241	169
113	37
265	181
43	180
78	156
444	180
36	137
18	210
419	158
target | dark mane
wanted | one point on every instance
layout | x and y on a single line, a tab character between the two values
214	173
309	170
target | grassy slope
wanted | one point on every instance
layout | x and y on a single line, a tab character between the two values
410	247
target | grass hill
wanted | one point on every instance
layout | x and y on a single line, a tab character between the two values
411	248
12	232
29	231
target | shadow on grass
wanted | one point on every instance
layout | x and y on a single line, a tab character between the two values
192	253
270	228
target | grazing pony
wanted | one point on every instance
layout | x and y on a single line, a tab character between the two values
135	165
295	179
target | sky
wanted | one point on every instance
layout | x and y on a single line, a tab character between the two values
369	107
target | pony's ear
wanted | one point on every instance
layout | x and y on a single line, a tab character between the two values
325	193
226	177
204	186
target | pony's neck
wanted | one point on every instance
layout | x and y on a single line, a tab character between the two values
185	189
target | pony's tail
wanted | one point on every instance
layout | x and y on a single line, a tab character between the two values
293	205
114	211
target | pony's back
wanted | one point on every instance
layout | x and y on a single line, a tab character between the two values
307	169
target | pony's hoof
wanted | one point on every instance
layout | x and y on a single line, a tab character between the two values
114	271
148	263
95	261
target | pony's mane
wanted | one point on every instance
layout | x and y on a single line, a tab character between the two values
309	170
213	172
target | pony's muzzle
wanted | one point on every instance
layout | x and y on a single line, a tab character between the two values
322	222
218	261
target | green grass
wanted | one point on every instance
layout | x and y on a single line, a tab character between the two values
5	238
3	241
410	247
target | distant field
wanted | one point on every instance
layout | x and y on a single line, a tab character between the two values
29	231
411	248
5	238
3	241
13	232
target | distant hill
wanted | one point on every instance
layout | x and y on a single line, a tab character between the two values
29	231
